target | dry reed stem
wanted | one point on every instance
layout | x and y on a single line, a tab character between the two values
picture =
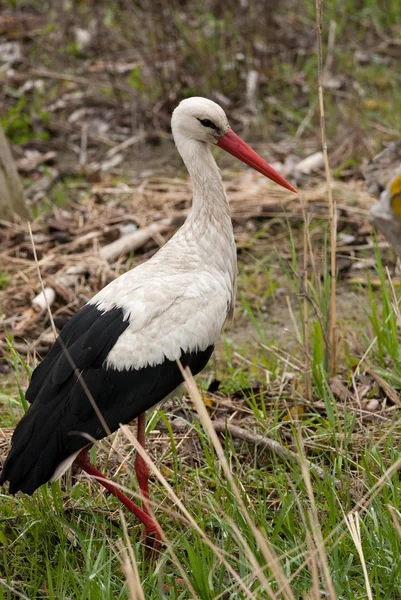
352	521
308	382
332	359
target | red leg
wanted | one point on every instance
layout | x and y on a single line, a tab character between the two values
142	475
141	467
152	529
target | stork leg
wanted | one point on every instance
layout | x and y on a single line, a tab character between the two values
141	467
152	529
142	475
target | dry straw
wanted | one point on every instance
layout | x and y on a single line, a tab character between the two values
128	564
332	359
352	521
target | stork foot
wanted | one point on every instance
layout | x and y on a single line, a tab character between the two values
152	541
152	533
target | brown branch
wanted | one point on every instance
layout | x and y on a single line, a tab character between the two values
268	444
135	240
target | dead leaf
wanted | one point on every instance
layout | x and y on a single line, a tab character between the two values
339	390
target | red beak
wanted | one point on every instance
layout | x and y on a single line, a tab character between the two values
232	143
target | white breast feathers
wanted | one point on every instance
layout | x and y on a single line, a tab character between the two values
169	314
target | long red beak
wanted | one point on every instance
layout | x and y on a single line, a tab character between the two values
232	143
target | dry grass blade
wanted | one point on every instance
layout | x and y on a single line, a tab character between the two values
266	549
363	505
396	517
389	391
396	301
45	296
282	356
314	519
10	588
371	345
352	521
308	380
314	592
380	483
332	202
129	565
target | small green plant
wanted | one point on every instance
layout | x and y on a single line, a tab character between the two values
4	280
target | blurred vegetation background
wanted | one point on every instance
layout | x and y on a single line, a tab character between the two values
119	68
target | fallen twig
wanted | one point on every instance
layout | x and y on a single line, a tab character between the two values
387	389
46	297
131	141
137	239
268	444
61	284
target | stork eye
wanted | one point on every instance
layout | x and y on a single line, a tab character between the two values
207	123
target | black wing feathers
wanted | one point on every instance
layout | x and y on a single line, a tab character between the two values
60	411
88	336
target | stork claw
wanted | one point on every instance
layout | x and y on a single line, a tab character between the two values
152	540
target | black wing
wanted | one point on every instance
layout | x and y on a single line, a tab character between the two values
88	337
61	414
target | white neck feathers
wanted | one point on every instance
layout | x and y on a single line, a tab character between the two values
210	203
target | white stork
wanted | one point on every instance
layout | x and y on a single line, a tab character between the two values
125	341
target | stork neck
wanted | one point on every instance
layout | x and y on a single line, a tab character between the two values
208	230
209	202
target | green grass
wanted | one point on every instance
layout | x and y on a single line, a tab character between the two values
63	544
73	553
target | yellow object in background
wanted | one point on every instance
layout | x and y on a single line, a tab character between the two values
386	213
395	196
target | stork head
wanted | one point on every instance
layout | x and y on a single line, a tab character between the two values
199	119
205	121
